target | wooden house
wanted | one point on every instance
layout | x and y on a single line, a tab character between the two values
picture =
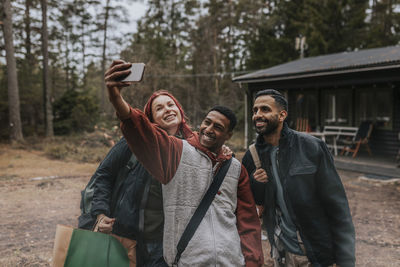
342	89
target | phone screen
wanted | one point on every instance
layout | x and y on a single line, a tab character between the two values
136	75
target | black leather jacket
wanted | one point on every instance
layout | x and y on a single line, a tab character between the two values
128	196
314	195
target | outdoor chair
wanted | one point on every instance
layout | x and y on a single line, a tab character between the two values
361	138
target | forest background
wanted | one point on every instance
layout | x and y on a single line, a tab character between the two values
53	53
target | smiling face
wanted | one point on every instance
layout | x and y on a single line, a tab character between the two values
166	114
214	131
267	115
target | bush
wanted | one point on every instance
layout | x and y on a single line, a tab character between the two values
60	151
79	148
75	112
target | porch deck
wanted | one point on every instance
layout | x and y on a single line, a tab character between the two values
375	166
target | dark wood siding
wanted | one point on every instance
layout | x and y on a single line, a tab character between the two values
386	142
382	142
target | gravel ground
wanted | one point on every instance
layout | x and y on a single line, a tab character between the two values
31	209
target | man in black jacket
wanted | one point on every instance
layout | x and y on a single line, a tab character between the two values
306	212
125	195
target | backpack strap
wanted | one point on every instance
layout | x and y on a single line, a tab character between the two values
254	155
201	210
86	220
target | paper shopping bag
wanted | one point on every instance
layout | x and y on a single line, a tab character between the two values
78	247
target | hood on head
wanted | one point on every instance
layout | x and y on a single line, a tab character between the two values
184	127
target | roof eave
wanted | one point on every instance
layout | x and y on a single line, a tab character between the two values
313	74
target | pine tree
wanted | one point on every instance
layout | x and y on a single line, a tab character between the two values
384	26
48	111
13	91
104	58
273	40
355	28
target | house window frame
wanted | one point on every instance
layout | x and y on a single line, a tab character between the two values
380	122
335	119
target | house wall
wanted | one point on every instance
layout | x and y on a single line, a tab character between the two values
382	142
386	142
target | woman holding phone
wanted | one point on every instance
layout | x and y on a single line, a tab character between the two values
138	210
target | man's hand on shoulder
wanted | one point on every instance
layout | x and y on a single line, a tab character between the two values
227	151
260	175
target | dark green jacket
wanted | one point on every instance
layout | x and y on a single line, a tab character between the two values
123	200
314	195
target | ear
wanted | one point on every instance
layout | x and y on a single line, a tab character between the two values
282	115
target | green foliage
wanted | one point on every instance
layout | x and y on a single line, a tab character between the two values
75	112
192	48
60	151
384	27
65	150
329	26
83	147
31	97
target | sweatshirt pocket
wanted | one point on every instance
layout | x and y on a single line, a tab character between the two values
303	170
301	185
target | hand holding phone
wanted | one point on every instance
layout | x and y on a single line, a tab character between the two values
136	75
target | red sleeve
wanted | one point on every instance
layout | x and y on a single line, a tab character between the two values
248	223
154	148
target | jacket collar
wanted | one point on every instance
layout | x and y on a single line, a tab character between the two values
215	157
283	141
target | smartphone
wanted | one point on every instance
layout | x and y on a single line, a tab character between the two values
136	75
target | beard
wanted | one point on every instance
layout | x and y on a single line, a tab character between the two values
270	127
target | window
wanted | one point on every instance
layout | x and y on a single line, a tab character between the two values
307	108
336	107
376	105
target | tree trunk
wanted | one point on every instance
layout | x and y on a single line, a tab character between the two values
28	43
83	53
13	92
28	67
103	62
388	20
48	111
67	66
215	65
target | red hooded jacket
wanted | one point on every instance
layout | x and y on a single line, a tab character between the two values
160	155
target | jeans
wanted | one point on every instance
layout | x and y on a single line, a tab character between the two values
154	255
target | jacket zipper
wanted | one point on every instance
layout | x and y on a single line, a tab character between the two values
307	248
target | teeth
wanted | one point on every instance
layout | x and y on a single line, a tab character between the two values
208	137
169	117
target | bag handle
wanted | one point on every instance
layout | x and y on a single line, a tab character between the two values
96	224
254	155
201	210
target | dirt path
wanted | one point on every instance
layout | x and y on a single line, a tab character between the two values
31	209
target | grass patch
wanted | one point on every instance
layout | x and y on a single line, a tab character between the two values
93	147
7	177
72	152
86	147
77	148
